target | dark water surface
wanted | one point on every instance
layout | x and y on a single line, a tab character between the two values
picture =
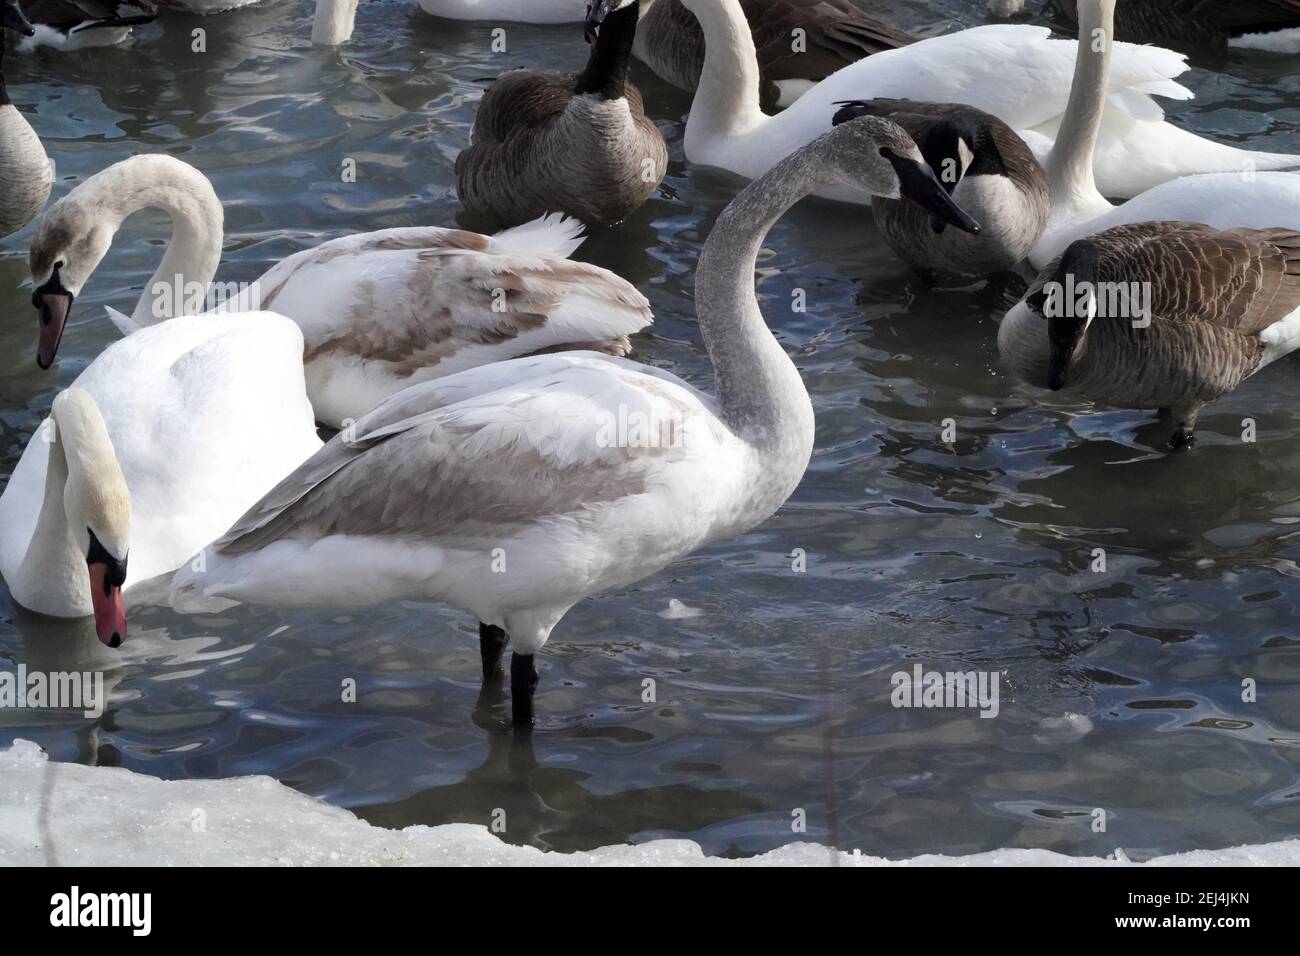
777	696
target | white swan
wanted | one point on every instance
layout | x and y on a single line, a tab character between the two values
1224	200
568	474
25	173
1014	72
66	532
204	414
518	11
380	311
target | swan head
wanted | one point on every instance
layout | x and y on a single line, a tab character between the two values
599	10
878	156
68	246
98	507
13	18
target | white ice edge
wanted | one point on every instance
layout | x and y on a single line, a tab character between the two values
71	814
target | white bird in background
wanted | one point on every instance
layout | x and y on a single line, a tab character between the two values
523	468
1016	73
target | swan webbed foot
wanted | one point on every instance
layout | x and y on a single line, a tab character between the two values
492	642
523	683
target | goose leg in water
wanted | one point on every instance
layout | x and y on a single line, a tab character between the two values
523	681
492	642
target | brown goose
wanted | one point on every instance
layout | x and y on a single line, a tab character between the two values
986	168
836	33
544	142
76	24
1166	315
1272	25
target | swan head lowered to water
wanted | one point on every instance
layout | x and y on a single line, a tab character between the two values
75	561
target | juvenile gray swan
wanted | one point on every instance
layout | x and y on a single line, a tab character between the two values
1165	315
513	468
986	168
544	142
25	177
834	34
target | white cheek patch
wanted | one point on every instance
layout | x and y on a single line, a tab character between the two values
965	154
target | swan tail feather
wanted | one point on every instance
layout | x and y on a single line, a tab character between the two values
552	235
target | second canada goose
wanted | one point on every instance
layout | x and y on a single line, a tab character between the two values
1271	25
1164	315
25	177
834	34
77	24
987	169
544	142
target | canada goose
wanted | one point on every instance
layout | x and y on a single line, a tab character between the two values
1270	25
834	33
200	416
67	557
380	310
1162	315
78	24
1079	208
334	22
25	175
545	143
990	173
524	467
204	6
1017	73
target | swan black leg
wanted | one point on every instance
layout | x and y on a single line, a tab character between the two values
492	642
523	682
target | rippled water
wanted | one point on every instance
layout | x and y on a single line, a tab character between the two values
775	698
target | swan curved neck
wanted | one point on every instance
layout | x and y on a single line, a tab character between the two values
180	284
52	575
611	54
335	20
727	98
760	390
1069	166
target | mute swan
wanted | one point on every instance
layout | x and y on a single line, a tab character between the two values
335	20
1167	315
544	142
799	43
1223	200
522	467
68	556
1014	72
203	415
78	24
990	173
25	175
379	311
518	11
1270	25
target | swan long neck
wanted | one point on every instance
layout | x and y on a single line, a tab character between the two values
727	98
180	284
1069	166
53	571
759	388
611	55
335	20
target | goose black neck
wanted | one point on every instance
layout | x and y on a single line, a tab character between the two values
606	72
4	93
